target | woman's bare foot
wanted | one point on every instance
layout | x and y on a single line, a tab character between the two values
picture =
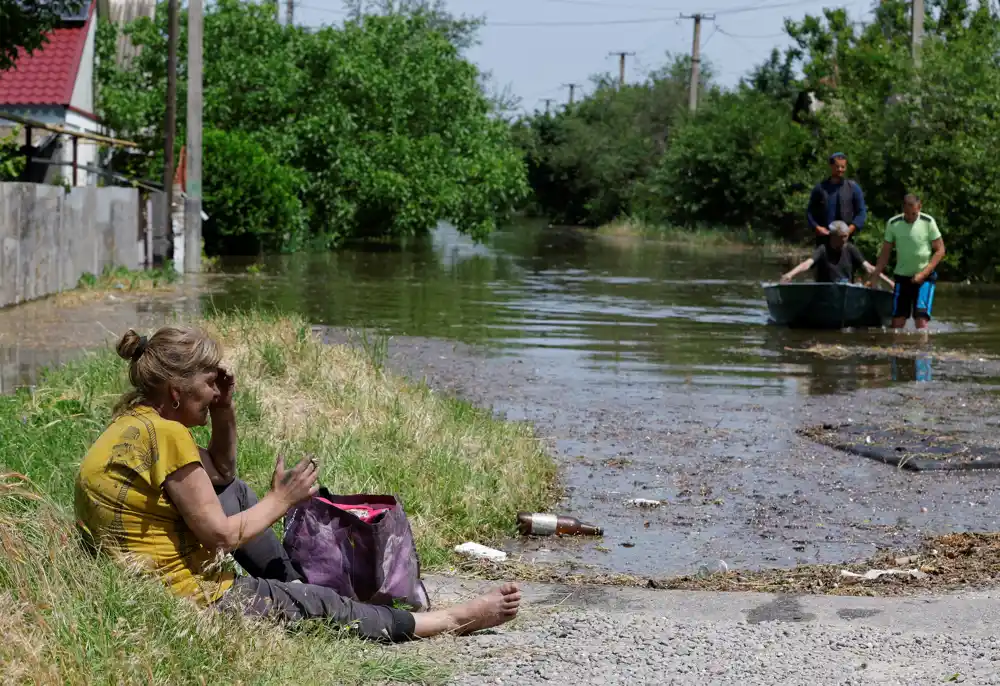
492	609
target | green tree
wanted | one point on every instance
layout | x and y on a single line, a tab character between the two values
738	162
587	162
387	124
25	23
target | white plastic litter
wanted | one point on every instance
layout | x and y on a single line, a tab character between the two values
643	502
720	567
481	552
873	574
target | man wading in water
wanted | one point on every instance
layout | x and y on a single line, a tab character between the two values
836	198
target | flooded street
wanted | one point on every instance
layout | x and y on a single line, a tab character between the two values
653	373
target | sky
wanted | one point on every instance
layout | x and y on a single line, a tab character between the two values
534	47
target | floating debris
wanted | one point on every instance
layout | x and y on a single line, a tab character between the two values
643	502
873	574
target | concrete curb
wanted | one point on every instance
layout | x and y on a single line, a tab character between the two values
963	614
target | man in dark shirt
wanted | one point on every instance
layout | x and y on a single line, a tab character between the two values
836	198
836	262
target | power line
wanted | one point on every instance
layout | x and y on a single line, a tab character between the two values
756	8
768	36
605	22
735	39
615	6
715	30
560	24
339	13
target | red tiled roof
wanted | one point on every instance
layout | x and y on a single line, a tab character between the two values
47	77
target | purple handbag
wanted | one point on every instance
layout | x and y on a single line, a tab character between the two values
359	545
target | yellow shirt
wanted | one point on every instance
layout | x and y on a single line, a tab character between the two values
120	499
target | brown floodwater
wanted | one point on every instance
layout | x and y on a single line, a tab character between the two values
651	369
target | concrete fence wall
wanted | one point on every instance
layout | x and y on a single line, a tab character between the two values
50	238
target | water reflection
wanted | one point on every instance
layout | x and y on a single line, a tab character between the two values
563	300
584	305
51	332
918	369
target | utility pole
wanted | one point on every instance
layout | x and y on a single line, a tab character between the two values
192	200
696	58
171	123
572	90
917	29
621	65
548	103
289	11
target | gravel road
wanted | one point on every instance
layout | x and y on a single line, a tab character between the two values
620	636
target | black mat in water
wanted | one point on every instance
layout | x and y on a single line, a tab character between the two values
906	447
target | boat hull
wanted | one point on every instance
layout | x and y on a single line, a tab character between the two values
828	305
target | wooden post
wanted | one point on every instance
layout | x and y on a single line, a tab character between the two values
27	152
917	30
621	65
192	200
171	126
696	59
572	91
148	234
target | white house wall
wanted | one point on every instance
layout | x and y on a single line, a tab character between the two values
87	151
83	89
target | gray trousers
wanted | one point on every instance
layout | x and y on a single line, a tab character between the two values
276	587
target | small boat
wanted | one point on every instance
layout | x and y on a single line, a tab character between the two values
828	305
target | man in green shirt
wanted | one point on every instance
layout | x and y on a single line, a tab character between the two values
919	249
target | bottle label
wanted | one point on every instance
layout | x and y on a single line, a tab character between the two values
543	524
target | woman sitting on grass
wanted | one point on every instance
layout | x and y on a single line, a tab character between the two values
147	490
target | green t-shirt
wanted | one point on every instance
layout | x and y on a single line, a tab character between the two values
912	241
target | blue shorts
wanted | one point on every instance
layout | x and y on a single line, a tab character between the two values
911	300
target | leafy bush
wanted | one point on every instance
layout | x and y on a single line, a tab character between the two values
740	162
251	198
11	159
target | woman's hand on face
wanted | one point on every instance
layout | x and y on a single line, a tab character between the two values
226	383
294	485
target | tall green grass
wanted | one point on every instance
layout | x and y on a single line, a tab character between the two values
68	618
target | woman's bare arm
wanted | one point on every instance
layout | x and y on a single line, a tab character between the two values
190	490
220	458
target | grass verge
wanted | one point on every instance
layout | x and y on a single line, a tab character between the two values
698	237
461	475
117	281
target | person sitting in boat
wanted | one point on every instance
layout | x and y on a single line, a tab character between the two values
919	250
836	262
147	494
836	199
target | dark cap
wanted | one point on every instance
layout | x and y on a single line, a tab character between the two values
837	156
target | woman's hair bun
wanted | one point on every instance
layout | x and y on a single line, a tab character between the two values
129	345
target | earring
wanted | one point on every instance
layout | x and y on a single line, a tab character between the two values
177	404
